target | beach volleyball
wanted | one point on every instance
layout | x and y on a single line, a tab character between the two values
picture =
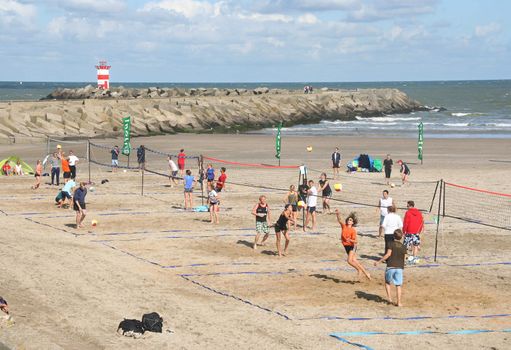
392	185
309	148
300	204
338	187
124	171
94	223
92	189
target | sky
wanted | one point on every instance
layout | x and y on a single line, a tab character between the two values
255	41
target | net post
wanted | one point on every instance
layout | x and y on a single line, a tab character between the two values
88	157
443	207
201	176
438	217
434	196
47	144
142	177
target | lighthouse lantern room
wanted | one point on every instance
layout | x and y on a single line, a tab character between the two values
103	75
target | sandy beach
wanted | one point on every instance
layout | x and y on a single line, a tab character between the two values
69	288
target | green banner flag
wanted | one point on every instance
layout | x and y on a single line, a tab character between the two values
277	142
420	143
126	127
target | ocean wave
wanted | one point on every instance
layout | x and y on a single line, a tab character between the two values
388	119
456	124
466	114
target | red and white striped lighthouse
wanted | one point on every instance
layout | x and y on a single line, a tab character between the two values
103	75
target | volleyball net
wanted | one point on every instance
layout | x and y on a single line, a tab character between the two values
78	147
477	206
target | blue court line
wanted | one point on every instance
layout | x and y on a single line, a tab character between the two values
350	342
419	332
132	255
55	228
341	335
187	277
427	266
408	318
248	302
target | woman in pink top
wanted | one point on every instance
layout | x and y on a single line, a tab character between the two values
38	174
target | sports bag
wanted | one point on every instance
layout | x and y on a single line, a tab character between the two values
134	326
152	322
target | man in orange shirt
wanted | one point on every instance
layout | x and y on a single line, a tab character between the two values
65	167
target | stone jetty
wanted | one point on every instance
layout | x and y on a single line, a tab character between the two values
89	112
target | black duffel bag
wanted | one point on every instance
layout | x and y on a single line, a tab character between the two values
152	322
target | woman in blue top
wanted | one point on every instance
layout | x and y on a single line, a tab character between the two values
189	181
210	176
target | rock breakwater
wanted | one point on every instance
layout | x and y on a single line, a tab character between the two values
89	112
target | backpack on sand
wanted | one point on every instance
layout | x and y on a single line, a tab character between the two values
131	328
152	322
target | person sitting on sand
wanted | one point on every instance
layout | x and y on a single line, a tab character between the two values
291	197
282	227
395	258
4	306
404	171
189	181
18	169
349	241
214	201
6	169
79	204
38	174
261	211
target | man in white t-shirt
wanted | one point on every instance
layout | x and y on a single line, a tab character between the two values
173	171
384	203
312	201
391	223
73	160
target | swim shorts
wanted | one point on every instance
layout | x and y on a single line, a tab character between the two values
262	227
394	276
412	239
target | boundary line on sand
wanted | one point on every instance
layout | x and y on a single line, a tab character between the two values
341	335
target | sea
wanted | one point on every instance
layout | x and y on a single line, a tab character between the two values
458	109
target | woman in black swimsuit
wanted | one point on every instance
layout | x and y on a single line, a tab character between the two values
326	194
281	226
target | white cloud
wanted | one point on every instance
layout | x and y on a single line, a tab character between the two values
275	42
308	18
379	10
243	48
14	12
272	6
186	8
487	29
82	28
106	6
260	17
